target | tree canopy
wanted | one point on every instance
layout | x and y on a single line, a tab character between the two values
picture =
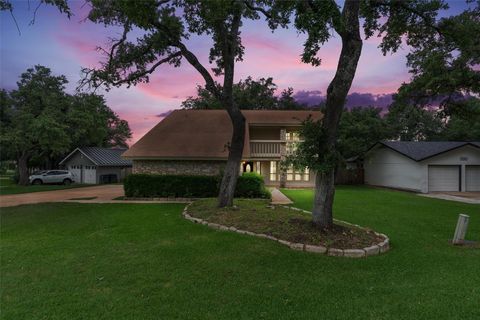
41	121
248	94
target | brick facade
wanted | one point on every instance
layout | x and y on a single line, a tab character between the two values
178	167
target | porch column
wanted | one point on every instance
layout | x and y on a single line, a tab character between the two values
283	154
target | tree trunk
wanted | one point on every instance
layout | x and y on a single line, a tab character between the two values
22	163
230	175
231	172
336	96
323	203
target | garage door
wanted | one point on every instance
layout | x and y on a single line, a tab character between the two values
90	174
77	173
443	178
472	178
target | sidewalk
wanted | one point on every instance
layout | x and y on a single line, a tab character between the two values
279	198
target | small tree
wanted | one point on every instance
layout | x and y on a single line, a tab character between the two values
165	27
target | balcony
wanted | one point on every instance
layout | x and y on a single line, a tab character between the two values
271	148
266	148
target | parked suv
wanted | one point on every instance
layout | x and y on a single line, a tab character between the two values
52	176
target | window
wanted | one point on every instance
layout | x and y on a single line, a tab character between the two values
293	136
306	175
257	168
297	175
273	171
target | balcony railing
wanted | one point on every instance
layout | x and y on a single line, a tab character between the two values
271	148
265	148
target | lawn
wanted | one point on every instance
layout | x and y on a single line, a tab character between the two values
7	186
144	261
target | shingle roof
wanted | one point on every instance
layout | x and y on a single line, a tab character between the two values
103	156
421	150
204	134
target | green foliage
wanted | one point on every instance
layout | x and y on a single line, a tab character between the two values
40	120
251	185
360	128
312	151
148	185
463	121
445	66
411	123
248	94
35	115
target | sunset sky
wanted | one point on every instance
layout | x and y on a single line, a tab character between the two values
66	45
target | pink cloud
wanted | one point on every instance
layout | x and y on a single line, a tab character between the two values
171	83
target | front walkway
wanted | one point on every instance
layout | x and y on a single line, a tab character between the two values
279	198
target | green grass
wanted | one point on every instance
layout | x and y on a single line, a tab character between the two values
7	186
144	261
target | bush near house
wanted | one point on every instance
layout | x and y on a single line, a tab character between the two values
249	185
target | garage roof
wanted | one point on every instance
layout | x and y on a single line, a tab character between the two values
421	150
102	156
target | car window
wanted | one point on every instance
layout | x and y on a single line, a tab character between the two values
50	173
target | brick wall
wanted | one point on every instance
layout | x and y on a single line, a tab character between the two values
189	167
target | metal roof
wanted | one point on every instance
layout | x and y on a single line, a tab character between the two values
421	150
103	156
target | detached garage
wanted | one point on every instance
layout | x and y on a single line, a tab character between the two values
95	165
424	166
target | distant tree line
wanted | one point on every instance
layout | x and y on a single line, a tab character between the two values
360	127
40	122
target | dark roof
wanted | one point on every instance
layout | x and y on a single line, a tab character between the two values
421	150
103	156
204	134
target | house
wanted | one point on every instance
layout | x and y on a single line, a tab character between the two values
195	142
424	166
97	165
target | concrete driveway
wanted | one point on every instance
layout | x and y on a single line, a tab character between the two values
103	193
465	197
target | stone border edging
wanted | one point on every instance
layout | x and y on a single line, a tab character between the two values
374	250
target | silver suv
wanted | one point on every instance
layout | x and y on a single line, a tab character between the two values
52	176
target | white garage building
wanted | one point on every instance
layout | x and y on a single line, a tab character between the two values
95	165
424	166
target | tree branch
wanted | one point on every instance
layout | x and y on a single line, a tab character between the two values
427	20
258	9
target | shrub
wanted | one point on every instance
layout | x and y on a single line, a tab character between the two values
150	185
249	185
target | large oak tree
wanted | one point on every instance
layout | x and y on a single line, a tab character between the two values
165	27
412	21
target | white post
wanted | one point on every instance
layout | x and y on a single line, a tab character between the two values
461	229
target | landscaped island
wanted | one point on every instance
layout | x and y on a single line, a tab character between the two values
289	226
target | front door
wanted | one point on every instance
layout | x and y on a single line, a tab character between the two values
247	166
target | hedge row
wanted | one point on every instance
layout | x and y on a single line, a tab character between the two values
249	185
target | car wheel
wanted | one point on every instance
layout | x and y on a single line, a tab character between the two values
67	182
37	182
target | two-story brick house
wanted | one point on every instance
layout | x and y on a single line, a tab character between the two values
196	142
